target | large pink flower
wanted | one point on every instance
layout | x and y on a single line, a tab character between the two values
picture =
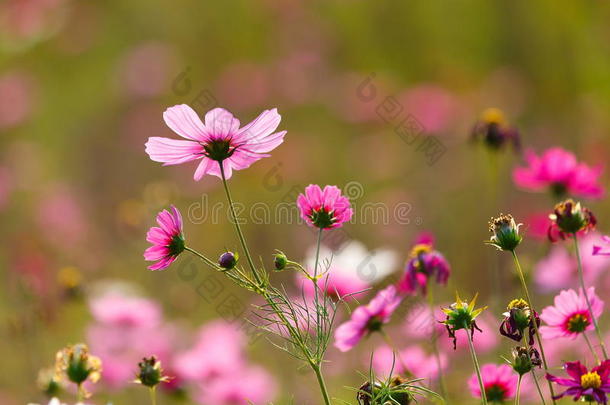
570	315
559	170
325	209
499	381
367	318
167	240
249	385
219	140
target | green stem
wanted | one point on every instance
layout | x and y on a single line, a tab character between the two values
584	291
477	369
80	393
518	394
321	383
437	356
202	257
153	396
584	334
531	305
242	239
392	346
315	284
534	377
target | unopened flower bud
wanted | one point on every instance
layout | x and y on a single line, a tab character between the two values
280	261
505	233
150	372
228	260
569	217
525	359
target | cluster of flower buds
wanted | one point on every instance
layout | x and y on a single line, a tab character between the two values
569	218
462	315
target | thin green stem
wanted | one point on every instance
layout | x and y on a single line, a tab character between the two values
318	370
584	291
153	396
477	369
80	393
534	377
202	257
518	394
240	235
392	346
584	334
437	356
315	284
531	305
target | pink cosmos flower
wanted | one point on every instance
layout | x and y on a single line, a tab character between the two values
589	385
219	140
218	350
425	263
324	209
499	381
559	170
367	319
250	385
598	250
570	316
353	269
167	240
414	358
121	335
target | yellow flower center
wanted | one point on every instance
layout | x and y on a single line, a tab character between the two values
493	116
517	303
590	380
419	249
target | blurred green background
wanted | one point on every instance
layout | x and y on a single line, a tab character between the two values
84	84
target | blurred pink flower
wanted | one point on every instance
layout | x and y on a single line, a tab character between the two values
27	21
570	316
218	350
324	209
167	240
559	268
244	78
146	69
424	264
558	170
16	99
417	361
61	217
126	329
537	226
353	269
220	139
119	310
599	250
433	106
249	385
367	319
499	381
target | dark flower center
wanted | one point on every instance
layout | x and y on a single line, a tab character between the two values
578	323
176	246
374	324
322	218
495	393
559	189
218	149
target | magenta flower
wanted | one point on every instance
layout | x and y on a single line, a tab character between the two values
367	319
558	170
424	263
588	385
570	316
414	358
499	381
324	209
219	141
167	240
598	250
